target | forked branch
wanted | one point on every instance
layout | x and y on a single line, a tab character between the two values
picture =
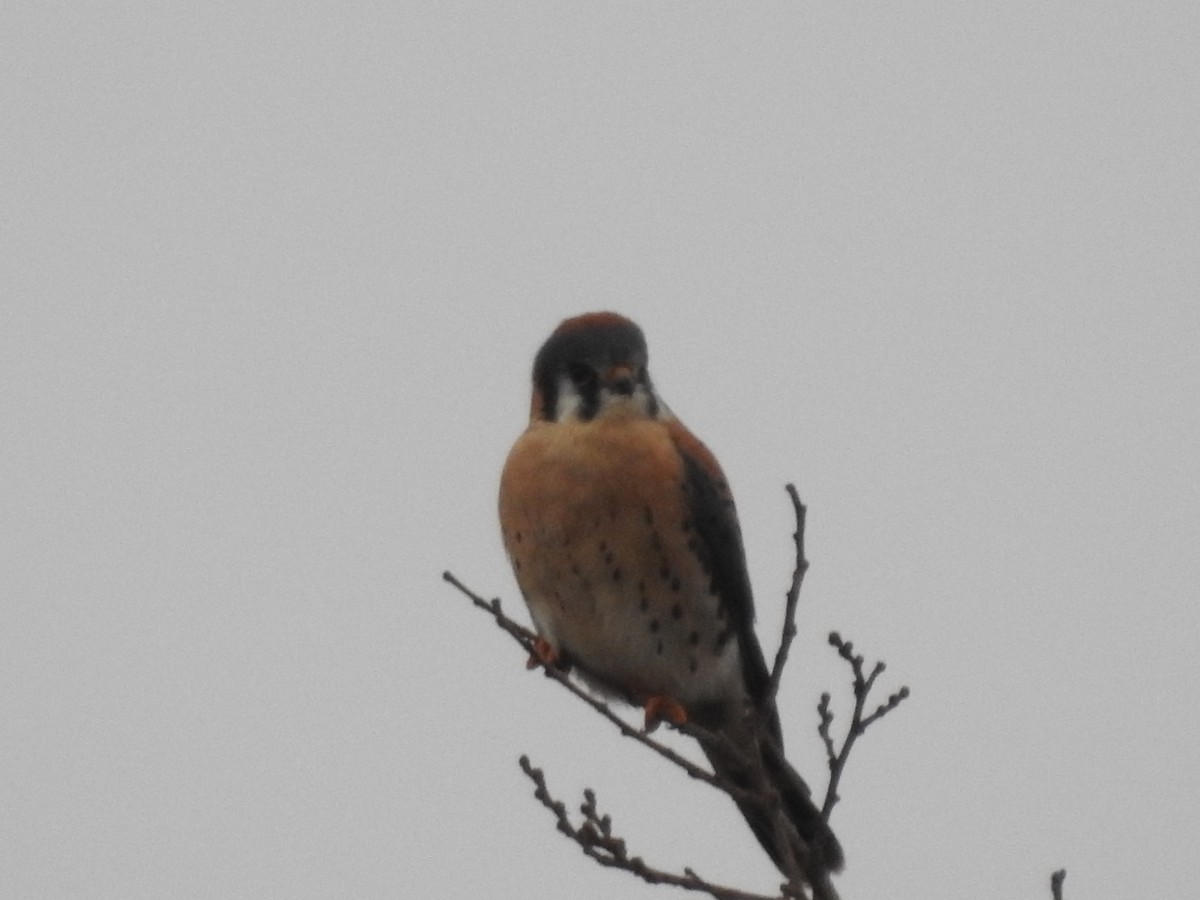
596	839
859	722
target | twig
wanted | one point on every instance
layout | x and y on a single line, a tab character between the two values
858	722
1056	883
526	638
793	596
765	797
596	839
520	634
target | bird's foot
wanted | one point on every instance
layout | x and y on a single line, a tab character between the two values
659	707
543	654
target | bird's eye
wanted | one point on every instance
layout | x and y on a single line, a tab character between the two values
581	375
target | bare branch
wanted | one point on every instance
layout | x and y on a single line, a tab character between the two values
596	839
764	796
826	715
519	633
858	722
1056	883
793	596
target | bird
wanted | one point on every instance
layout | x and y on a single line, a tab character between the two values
625	543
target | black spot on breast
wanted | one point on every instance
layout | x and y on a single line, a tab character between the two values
693	665
519	537
608	558
659	648
664	573
654	626
676	611
644	604
616	575
648	515
516	565
694	638
675	584
722	638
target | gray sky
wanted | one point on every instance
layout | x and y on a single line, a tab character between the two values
271	280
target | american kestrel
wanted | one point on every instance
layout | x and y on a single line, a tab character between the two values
626	546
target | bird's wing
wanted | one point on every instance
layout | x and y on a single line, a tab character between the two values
715	521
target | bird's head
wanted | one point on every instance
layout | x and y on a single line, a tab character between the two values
592	367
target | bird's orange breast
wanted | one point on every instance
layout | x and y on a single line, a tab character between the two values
595	519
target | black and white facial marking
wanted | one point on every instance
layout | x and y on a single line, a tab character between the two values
594	366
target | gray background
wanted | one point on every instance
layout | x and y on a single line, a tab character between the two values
272	278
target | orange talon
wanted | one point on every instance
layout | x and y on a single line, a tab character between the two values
543	654
659	707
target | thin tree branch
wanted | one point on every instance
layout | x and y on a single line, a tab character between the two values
596	839
526	638
763	795
793	596
858	722
1056	883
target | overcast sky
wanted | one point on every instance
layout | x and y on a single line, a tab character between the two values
271	282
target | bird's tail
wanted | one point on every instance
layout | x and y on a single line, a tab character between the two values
758	765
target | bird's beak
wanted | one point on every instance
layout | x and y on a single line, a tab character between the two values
619	379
